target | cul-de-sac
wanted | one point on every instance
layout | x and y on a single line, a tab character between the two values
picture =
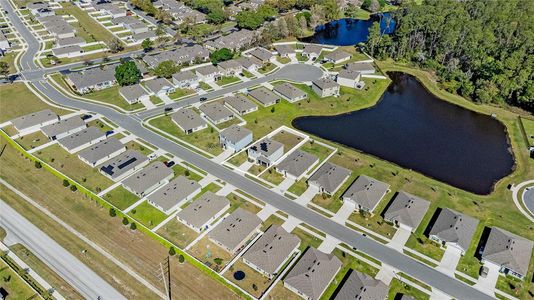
267	149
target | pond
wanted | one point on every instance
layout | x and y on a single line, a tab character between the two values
414	129
345	32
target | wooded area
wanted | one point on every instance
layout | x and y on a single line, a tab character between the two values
482	50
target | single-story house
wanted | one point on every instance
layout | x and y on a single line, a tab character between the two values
510	252
235	137
362	67
266	152
235	230
249	63
261	54
453	229
312	274
271	251
203	211
188	120
34	121
241	104
208	73
312	51
134	93
406	211
68	51
99	153
174	194
365	193
264	96
230	67
285	50
159	86
70	42
63	127
185	79
123	165
290	92
329	177
362	287
337	56
216	112
148	179
93	79
82	139
325	87
297	164
350	78
136	27
234	41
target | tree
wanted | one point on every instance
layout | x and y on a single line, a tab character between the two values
248	19
133	226
216	15
127	73
73	188
125	221
4	69
218	261
112	212
331	10
282	25
164	16
221	55
115	45
38	165
66	183
166	69
181	258
147	45
172	252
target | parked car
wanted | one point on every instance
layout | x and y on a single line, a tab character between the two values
167	109
484	271
202	99
169	163
151	156
85	117
109	132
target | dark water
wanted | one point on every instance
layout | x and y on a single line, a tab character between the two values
412	128
346	32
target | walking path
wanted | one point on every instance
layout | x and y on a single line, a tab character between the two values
515	191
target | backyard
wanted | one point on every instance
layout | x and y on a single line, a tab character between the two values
178	233
121	197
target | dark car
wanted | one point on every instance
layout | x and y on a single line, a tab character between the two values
109	132
202	99
167	109
85	117
169	163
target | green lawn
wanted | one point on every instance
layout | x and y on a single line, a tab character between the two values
299	187
272	176
132	145
306	239
288	139
179	93
32	140
179	170
206	87
528	125
267	68
318	150
147	214
100	124
397	287
93	47
155	100
247	74
374	223
111	96
271	220
121	197
283	60
178	233
225	80
15	286
425	246
236	201
468	263
238	159
205	139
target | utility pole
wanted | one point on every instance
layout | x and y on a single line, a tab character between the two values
165	276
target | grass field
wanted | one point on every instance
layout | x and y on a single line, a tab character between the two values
238	159
397	287
32	140
254	282
272	176
179	93
17	100
528	125
15	286
271	220
236	201
147	214
178	233
9	58
281	292
121	197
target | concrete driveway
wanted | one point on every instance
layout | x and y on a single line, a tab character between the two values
487	284
450	260
399	239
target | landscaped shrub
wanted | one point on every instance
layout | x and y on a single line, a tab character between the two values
38	164
218	260
133	226
125	221
73	188
66	183
112	212
181	258
172	252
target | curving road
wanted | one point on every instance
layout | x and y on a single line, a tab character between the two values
391	257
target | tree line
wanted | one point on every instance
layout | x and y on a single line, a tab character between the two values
481	50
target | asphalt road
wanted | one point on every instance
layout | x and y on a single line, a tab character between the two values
386	255
72	270
528	199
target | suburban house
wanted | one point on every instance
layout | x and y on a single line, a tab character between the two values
234	41
215	112
453	229
406	211
312	274
508	251
285	51
230	67
70	41
249	63
185	79
325	87
235	138
290	92
362	287
365	193
264	96
329	177
208	73
297	164
136	27
93	79
203	211
99	153
148	179
188	120
181	55
269	253
68	51
134	93
350	78
266	152
235	231
261	54
337	57
240	104
159	86
362	67
34	121
5	44
174	194
123	165
82	139
63	127
312	51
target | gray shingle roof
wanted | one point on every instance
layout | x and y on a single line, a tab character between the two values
247	62
330	177
261	54
34	119
235	228
215	111
240	103
188	119
101	150
266	146
360	67
272	249
366	192
325	83
185	76
264	96
69	41
235	133
132	92
155	85
454	227
229	65
207	70
62	126
297	163
337	55
313	272
149	176
312	49
509	250
284	49
407	209
174	192
349	74
124	162
82	137
289	91
203	209
93	76
362	287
